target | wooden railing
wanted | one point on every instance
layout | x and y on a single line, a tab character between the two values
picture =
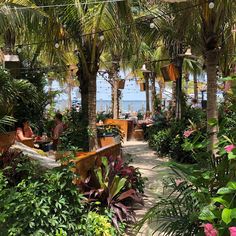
87	161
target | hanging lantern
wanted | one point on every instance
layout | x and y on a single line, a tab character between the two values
142	86
121	84
170	72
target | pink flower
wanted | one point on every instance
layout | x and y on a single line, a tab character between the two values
187	133
209	230
178	182
229	148
232	231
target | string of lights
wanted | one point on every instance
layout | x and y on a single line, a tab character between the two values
63	5
101	32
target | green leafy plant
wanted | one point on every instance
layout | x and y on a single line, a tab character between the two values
73	136
104	185
221	212
44	206
6	121
102	116
110	131
167	136
99	225
126	170
176	214
16	166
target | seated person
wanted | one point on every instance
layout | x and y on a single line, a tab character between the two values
148	118
195	103
57	130
23	131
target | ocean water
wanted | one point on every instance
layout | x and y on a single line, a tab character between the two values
125	106
105	105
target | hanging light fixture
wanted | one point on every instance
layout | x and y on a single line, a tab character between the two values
101	36
188	52
144	69
19	49
211	4
152	25
57	45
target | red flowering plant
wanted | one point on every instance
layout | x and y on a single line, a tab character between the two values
133	175
111	190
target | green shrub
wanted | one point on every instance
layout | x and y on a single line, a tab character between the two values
167	136
16	166
74	135
99	225
46	206
221	212
161	141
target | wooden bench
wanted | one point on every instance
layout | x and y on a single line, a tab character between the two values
89	160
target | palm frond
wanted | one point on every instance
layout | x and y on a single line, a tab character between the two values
176	214
6	121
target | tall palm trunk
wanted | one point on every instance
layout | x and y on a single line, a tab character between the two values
116	100
161	87
114	81
88	89
69	96
212	113
114	92
146	76
195	85
173	99
153	92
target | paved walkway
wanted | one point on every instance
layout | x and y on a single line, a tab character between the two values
151	167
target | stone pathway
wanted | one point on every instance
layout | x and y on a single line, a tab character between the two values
150	166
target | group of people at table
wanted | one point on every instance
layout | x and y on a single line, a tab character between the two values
25	133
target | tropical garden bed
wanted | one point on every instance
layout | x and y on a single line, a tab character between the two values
45	41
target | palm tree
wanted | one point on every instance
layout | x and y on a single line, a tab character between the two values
214	22
83	24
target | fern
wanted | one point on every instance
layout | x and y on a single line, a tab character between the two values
177	213
6	121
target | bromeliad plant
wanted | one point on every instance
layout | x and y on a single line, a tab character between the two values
125	170
104	185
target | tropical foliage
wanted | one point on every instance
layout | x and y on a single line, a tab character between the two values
115	187
201	193
44	203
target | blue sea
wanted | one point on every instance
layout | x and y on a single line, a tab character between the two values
105	105
125	106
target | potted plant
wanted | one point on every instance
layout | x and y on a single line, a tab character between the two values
108	135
